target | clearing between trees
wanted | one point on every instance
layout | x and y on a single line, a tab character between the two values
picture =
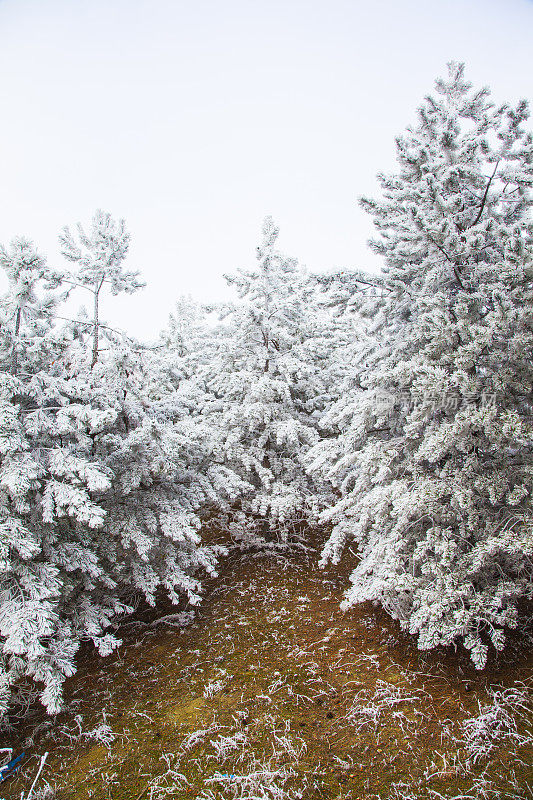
272	692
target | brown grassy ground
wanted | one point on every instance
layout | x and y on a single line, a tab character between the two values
273	693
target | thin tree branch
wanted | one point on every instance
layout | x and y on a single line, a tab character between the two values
452	262
90	324
484	200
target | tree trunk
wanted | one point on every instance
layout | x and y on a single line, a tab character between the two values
14	353
96	331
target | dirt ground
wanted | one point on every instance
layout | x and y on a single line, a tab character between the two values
272	692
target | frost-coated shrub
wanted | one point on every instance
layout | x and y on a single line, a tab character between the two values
435	461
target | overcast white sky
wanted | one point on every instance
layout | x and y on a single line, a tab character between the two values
194	119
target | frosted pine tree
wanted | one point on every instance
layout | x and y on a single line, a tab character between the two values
177	382
188	340
99	256
267	385
186	346
29	585
101	489
436	477
27	336
354	301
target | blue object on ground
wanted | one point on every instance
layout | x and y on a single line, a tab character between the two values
11	767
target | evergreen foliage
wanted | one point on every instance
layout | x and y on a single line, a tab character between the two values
437	441
101	488
267	379
396	409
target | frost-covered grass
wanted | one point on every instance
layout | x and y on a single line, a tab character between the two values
272	693
240	774
503	721
387	700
